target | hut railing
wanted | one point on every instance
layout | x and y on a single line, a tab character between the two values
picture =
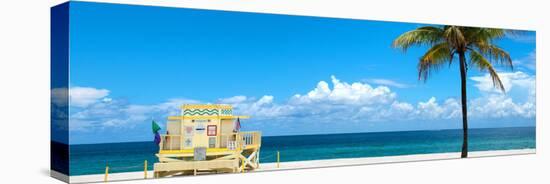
246	139
231	141
170	142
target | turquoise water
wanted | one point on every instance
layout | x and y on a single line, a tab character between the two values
126	157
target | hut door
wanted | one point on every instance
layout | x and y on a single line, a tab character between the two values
200	139
226	133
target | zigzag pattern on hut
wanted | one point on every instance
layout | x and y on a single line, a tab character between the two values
193	112
227	111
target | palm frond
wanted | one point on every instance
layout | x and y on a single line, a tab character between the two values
427	35
477	59
434	59
515	33
486	34
455	37
495	54
447	41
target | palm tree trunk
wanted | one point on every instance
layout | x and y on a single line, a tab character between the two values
464	105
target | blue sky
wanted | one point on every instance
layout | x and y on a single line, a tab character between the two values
129	64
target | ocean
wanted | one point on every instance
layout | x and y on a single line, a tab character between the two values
127	157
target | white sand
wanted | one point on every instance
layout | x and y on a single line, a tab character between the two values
320	163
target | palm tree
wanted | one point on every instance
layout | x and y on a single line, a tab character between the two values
474	48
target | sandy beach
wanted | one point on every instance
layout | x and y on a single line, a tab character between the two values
318	164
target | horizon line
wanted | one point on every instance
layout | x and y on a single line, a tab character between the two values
419	130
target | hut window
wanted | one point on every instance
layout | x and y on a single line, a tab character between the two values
212	142
211	130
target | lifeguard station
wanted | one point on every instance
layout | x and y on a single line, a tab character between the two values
206	138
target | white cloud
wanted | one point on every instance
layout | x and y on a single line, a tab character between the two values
509	80
105	112
338	102
107	100
344	101
362	102
233	100
528	62
60	96
260	108
402	110
387	82
431	109
495	103
84	96
500	106
343	93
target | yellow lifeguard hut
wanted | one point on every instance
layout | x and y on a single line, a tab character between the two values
205	138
